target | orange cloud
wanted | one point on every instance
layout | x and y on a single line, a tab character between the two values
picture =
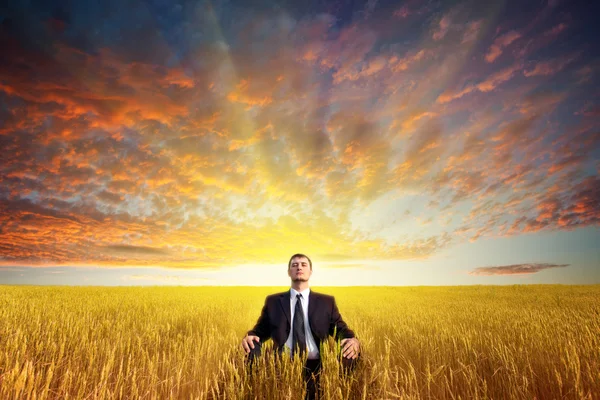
443	28
542	40
243	153
515	269
547	68
242	94
500	44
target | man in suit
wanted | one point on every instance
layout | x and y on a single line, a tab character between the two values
299	320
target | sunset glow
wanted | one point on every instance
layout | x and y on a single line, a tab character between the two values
394	143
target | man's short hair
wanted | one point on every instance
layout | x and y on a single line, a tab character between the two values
299	256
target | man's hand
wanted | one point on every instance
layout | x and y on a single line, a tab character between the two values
248	342
350	348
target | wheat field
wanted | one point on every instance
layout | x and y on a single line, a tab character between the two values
463	342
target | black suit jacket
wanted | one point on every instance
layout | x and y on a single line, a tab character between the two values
323	316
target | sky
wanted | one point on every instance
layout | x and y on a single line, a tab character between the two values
205	142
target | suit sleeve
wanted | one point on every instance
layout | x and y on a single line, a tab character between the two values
261	329
337	325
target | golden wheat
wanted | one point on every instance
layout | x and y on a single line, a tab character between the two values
469	342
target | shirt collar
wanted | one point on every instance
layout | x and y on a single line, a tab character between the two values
305	293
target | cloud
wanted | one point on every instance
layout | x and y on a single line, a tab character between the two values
403	64
544	39
495	79
589	111
423	151
214	144
472	32
515	269
584	74
114	91
443	27
125	249
584	207
500	44
410	8
243	94
420	249
551	67
489	84
402	12
541	102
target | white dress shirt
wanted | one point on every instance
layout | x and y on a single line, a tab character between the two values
311	346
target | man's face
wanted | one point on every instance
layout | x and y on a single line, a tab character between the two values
299	269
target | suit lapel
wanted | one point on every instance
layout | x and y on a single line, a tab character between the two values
284	301
312	305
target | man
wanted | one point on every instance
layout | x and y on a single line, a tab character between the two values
299	320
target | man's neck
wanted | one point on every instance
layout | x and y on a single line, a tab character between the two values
299	286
